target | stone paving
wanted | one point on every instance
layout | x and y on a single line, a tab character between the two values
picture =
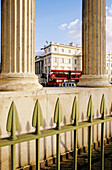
67	164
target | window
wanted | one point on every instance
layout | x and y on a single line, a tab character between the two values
49	69
69	68
62	68
107	64
111	72
75	68
55	59
45	51
111	64
49	49
69	51
45	61
48	60
75	61
62	60
62	50
69	61
46	70
55	49
75	52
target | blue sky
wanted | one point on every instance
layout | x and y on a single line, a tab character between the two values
50	14
60	21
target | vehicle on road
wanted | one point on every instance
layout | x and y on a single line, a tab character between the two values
58	77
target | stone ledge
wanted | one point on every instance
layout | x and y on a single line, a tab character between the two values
94	81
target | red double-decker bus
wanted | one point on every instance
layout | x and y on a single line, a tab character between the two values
60	76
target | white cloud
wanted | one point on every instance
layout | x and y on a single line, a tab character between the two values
109	29
63	26
72	24
75	33
73	30
38	52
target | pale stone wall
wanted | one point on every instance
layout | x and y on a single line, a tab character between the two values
25	101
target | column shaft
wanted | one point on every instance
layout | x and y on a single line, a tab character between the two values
18	36
94	43
18	45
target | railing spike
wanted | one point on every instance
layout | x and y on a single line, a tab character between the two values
102	112
58	114
90	110
75	116
37	119
12	126
89	114
75	111
12	121
103	107
58	120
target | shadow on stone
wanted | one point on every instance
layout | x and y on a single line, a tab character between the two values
52	141
28	143
44	126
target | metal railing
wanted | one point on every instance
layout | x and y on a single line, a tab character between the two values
37	121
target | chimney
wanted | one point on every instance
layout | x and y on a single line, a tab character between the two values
71	44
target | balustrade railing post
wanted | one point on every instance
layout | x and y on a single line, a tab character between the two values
102	111
58	120
12	126
102	146
37	154
13	158
58	152
37	122
89	147
75	116
75	151
89	114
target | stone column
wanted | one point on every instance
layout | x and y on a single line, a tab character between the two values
18	46
94	44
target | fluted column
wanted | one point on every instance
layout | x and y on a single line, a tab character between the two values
94	44
18	45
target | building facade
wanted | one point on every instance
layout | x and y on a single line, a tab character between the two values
60	57
109	66
39	63
64	57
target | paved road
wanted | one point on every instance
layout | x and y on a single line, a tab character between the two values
67	164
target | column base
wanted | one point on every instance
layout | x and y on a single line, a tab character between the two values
93	81
19	82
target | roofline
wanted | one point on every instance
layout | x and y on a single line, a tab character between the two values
62	45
